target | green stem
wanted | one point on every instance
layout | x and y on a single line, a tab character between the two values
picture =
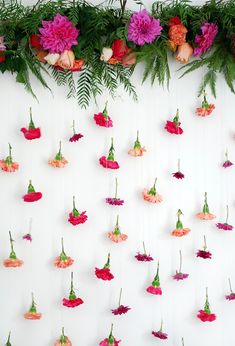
11	242
178	165
226	154
105	112
230	285
205	245
179	224
71	287
227	213
33	305
120	297
144	248
182	341
107	264
62	245
205	207
74	207
10	149
74	132
161	325
116	187
181	260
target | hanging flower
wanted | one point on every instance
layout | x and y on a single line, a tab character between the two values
121	309
159	334
173	127
179	275
104	273
8	340
72	301
12	261
110	340
63	340
8	165
225	226
31	195
184	53
205	315
231	295
2	49
205	215
28	237
116	236
103	119
155	287
31	132
227	162
76	218
143	257
206	108
63	261
59	161
109	162
180	231
32	314
115	200
151	195
58	35
137	149
178	174
204	253
143	28
76	136
206	39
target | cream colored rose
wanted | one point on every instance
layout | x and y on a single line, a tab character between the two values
66	60
184	53
52	58
106	54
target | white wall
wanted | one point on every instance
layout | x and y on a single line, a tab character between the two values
201	150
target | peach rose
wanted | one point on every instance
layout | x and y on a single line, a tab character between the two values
9	167
66	60
106	54
129	58
184	53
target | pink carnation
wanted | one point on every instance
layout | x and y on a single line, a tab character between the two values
105	342
206	316
160	335
143	28
102	120
154	290
108	163
58	35
114	201
180	276
120	310
224	226
206	39
230	296
143	257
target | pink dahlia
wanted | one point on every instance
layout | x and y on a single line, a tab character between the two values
121	310
115	200
180	276
58	34
27	237
143	257
206	39
143	28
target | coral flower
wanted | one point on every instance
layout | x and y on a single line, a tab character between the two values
58	35
31	132
206	108
104	273
184	53
155	287
115	200
177	32
8	165
206	39
143	257
32	196
110	340
231	295
72	301
159	334
173	127
12	261
35	41
205	215
103	119
63	340
120	53
225	226
143	28
180	231
151	195
227	162
137	150
116	236
63	261
179	275
121	308
32	314
205	315
75	217
204	253
76	136
178	174
109	162
59	161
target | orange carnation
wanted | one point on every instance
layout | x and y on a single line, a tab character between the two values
177	31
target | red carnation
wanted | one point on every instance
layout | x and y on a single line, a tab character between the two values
174	21
104	273
73	301
76	136
109	162
103	119
35	41
155	286
205	315
173	127
227	162
143	257
76	218
120	49
31	132
32	196
121	308
178	174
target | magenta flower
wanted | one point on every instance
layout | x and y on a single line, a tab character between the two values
143	28
225	226
204	253
58	35
143	257
159	334
179	275
155	287
206	315
115	200
27	237
230	296
76	136
206	39
227	162
73	301
178	174
121	308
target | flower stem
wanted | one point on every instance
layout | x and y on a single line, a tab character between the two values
10	149
155	181
74	132
226	154
111	331
11	242
181	260
116	187
182	341
120	297
161	325
205	245
144	248
71	281
60	148
74	202
117	222
178	165
230	285
137	138
8	339
227	213
62	245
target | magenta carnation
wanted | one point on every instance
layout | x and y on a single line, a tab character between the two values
143	28
58	35
206	39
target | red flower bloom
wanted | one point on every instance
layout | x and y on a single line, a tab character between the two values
227	162
35	41
160	335
121	310
143	257
114	201
73	301
180	276
2	58
104	273
103	119
174	126
205	316
76	136
27	237
225	226
231	296
204	254
31	132
120	49
178	174
110	340
76	218
32	196
109	162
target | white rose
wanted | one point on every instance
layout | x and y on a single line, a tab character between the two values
52	58
106	54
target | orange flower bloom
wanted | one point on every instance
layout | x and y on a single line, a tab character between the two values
63	341
63	261
59	161
151	195
180	231
32	314
137	149
8	165
116	236
205	215
41	54
177	31
184	53
12	261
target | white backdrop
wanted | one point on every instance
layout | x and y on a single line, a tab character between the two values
201	149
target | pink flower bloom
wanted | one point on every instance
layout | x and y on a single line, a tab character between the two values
206	39
72	301
225	226
137	150
143	28
12	263
121	310
31	132
103	119
58	35
151	195
227	164
63	261
205	111
180	231
160	335
230	296
63	340
8	165
180	276
154	290
143	257
204	254
114	201
116	236
205	215
178	175
27	237
104	273
173	127
76	137
75	217
205	316
32	314
32	196
109	162
106	342
59	161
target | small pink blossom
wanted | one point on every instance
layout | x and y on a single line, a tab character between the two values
227	164
180	276
224	226
143	257
178	175
230	296
154	290
121	310
114	201
109	162
160	335
27	237
151	195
